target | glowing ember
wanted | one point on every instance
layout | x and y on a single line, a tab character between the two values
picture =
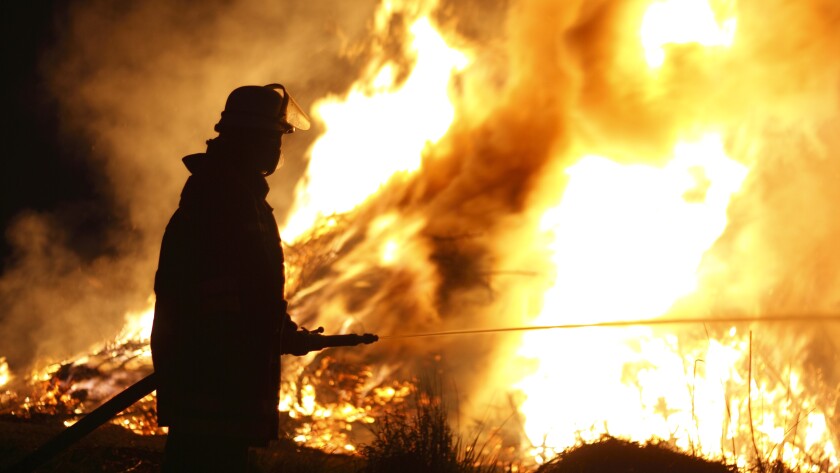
329	400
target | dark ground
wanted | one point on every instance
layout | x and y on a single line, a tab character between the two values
111	448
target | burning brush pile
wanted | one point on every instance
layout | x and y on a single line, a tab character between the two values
327	397
656	180
67	390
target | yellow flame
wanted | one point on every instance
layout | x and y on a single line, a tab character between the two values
138	324
682	22
5	373
628	242
637	231
379	128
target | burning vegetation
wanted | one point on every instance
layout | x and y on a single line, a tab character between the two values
500	165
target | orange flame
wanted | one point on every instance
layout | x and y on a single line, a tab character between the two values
406	115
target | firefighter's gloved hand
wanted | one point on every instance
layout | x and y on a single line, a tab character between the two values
303	341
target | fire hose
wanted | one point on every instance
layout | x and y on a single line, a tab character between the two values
634	323
139	390
145	386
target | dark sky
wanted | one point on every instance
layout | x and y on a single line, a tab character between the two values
43	171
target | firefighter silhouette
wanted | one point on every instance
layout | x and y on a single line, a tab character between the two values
221	318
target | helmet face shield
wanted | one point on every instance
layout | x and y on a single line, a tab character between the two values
295	115
292	113
268	107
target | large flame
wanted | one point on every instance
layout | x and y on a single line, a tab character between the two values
409	112
637	232
628	243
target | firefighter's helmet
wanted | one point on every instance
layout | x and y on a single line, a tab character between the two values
267	107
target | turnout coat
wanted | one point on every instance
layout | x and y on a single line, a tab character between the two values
220	309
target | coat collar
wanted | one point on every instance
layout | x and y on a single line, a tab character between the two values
214	165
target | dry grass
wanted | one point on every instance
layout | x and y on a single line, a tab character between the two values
419	439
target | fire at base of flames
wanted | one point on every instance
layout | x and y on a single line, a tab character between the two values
324	400
719	395
69	389
327	399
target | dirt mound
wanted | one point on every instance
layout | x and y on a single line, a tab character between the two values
612	455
